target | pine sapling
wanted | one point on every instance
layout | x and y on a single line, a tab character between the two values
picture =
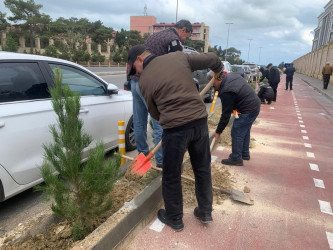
84	190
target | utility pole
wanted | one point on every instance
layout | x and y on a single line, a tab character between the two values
259	55
177	11
226	52
248	54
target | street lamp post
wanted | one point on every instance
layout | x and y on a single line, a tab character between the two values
259	55
226	52
248	54
176	11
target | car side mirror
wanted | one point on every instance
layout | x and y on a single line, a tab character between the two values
112	89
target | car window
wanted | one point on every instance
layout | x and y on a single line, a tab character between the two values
22	81
79	81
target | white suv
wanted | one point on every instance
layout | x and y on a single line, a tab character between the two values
26	113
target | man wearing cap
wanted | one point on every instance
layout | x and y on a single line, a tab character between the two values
327	72
273	78
159	43
236	94
167	86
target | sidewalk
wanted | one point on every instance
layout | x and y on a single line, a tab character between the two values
290	177
317	85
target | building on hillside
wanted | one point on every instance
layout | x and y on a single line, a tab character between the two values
324	32
148	24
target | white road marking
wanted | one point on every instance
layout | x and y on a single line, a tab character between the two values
330	239
300	121
303	131
220	148
319	183
322	113
307	145
157	226
314	167
302	126
305	137
299	117
213	158
325	207
310	155
272	108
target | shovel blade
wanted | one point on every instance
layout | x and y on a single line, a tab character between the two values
141	165
237	195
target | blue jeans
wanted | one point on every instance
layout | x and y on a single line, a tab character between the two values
140	118
240	135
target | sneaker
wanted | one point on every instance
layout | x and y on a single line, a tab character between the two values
247	158
269	102
159	166
230	161
204	218
176	225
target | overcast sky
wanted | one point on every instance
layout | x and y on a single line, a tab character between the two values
284	28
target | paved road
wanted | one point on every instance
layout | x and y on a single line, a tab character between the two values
290	175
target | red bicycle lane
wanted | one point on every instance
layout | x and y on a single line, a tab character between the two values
292	141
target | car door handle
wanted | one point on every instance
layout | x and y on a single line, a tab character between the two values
84	111
2	124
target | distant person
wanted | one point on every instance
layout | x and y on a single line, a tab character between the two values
273	78
160	43
327	72
289	76
264	73
236	94
265	93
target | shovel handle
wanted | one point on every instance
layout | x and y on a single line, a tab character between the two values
208	86
212	144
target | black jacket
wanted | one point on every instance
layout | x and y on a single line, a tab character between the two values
274	76
290	71
236	94
266	92
264	74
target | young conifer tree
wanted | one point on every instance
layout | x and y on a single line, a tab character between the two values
84	190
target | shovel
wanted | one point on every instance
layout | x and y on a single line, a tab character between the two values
142	164
234	194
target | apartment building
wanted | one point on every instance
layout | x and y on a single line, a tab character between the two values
148	24
324	32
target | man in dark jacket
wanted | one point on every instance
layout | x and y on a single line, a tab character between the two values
273	78
289	76
167	86
160	43
265	93
264	73
236	94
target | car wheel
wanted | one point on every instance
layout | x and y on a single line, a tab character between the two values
211	94
129	136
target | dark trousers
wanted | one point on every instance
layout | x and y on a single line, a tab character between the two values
289	79
274	87
175	142
240	135
326	78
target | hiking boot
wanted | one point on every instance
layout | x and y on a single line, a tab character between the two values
204	218
247	158
230	161
176	225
